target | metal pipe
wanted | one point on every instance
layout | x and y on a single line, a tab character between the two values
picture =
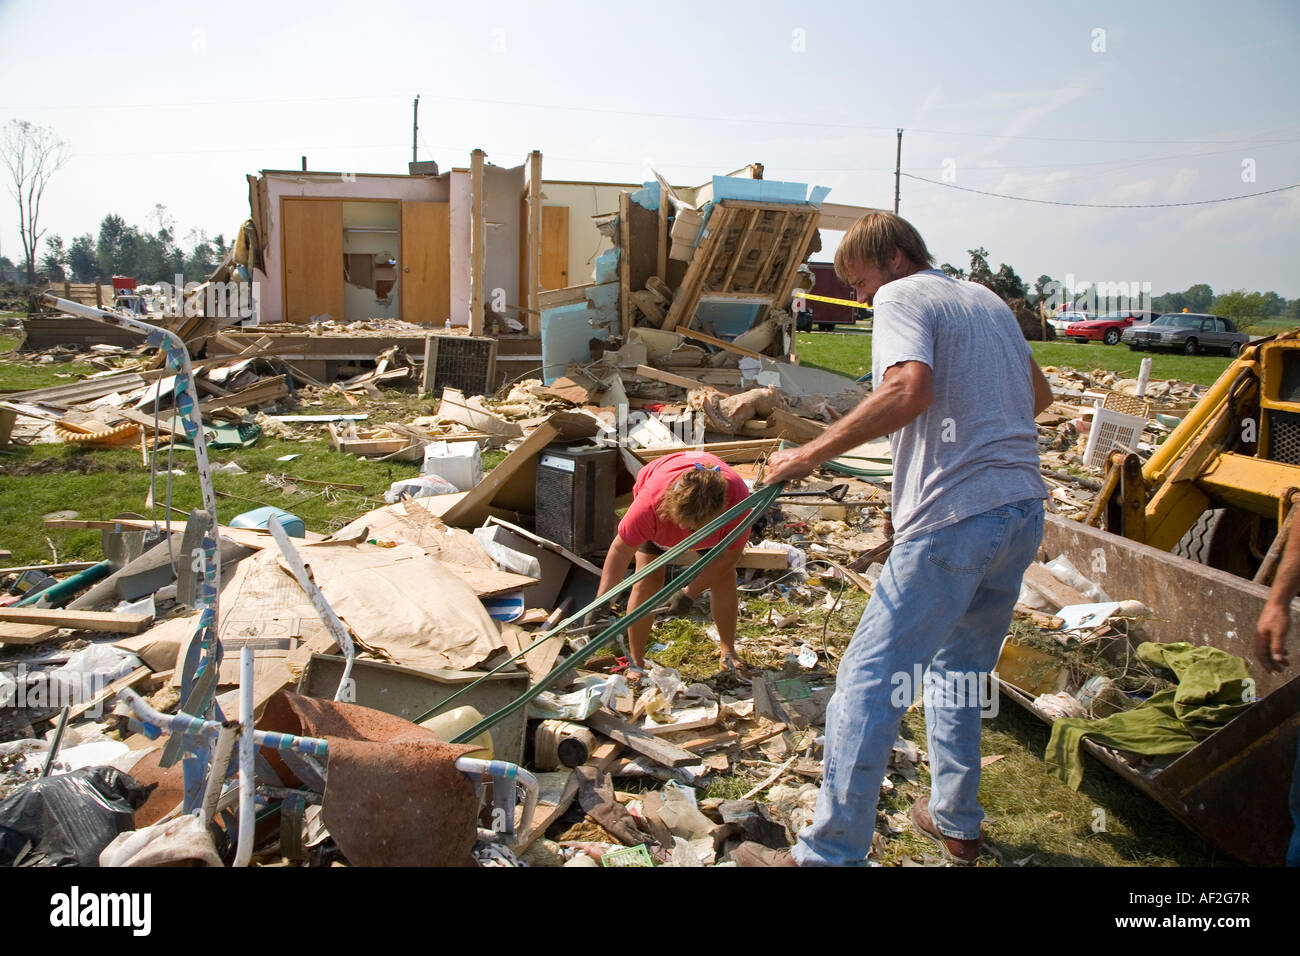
56	594
198	674
247	757
511	774
54	744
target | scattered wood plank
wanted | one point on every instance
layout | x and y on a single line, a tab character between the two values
1046	584
49	568
753	557
248	537
108	621
709	742
745	450
620	731
110	691
23	634
794	427
719	343
681	381
762	735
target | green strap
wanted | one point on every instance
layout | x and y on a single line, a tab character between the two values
752	507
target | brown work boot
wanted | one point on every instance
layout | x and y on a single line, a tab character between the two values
751	853
956	852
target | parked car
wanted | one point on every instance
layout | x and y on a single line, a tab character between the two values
1064	320
1188	332
1109	327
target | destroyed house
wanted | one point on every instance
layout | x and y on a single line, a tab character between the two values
545	267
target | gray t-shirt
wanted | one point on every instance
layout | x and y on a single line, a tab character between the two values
975	447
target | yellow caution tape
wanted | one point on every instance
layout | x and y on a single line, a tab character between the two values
825	298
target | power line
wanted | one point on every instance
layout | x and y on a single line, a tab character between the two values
644	114
1102	205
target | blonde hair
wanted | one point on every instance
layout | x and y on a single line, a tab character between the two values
694	499
872	241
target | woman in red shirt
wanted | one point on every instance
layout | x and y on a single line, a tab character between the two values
673	497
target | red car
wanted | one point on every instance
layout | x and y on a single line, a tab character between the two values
1107	328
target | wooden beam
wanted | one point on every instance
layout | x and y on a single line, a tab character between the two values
26	633
110	691
1046	584
742	247
477	242
534	241
762	558
625	261
794	427
718	343
47	568
248	537
661	250
109	621
620	731
771	253
681	381
729	451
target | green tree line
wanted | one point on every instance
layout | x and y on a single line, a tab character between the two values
148	255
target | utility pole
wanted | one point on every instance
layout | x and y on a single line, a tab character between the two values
898	170
415	125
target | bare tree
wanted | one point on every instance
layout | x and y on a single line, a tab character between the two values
33	154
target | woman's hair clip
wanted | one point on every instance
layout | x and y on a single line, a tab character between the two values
703	467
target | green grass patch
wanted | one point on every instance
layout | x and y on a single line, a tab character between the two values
17	375
100	484
850	354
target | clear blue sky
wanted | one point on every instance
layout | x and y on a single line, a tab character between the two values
174	102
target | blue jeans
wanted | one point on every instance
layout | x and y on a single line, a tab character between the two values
943	605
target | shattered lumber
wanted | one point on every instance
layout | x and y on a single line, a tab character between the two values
620	731
109	621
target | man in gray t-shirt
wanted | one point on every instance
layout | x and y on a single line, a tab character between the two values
975	447
957	389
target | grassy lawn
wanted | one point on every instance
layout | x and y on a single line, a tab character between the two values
849	354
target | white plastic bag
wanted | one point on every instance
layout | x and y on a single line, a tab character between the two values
424	486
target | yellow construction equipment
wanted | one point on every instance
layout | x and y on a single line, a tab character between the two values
1222	484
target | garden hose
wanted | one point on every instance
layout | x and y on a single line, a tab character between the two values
752	508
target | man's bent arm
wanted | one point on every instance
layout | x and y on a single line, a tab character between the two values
907	391
1042	390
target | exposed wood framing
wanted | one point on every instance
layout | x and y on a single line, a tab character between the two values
718	343
477	243
534	241
661	250
625	261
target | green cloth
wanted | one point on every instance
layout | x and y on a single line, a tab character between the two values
1213	688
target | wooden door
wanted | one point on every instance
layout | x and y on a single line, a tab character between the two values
425	262
555	247
313	259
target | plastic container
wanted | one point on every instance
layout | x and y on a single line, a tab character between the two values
259	518
459	462
456	721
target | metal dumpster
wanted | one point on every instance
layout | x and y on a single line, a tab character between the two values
1230	789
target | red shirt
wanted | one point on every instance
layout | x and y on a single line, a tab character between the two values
642	522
